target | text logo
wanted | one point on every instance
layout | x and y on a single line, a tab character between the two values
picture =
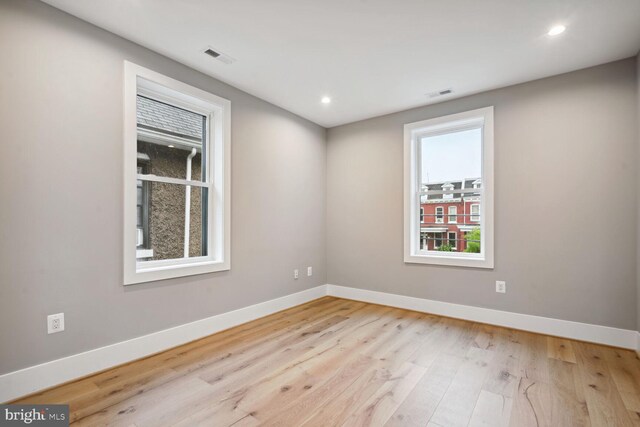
34	415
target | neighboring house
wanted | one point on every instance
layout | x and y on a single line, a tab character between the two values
445	219
169	141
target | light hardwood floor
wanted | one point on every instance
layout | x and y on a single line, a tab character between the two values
338	362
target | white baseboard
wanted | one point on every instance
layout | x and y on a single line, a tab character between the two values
25	381
35	378
624	338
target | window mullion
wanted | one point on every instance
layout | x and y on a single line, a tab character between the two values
168	180
477	191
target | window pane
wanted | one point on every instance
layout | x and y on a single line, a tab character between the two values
167	221
198	222
458	232
168	137
451	161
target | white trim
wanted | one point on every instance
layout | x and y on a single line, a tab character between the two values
144	253
32	379
29	380
441	201
606	335
218	143
169	180
413	132
459	190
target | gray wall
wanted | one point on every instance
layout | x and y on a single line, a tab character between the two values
61	190
638	181
567	193
566	201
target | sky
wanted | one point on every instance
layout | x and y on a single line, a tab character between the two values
452	156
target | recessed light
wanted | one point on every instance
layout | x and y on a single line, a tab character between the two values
558	29
325	100
171	146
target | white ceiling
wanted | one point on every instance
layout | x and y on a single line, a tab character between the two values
372	56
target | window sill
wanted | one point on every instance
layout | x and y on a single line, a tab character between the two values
448	259
151	273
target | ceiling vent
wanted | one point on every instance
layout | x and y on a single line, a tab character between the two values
222	57
440	93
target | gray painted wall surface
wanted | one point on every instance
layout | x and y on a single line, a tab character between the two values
565	198
638	181
61	190
563	255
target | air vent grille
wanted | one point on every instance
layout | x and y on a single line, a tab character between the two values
212	52
216	54
442	92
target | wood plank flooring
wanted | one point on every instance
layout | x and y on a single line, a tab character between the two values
334	362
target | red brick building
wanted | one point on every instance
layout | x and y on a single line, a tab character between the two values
446	218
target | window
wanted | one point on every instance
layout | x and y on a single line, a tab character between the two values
453	239
177	146
450	160
421	214
439	215
475	213
437	241
448	191
453	217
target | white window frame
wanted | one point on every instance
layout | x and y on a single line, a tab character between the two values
218	111
441	219
475	217
421	214
413	133
454	215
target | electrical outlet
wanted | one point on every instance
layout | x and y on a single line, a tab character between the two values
309	271
296	273
501	286
55	323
